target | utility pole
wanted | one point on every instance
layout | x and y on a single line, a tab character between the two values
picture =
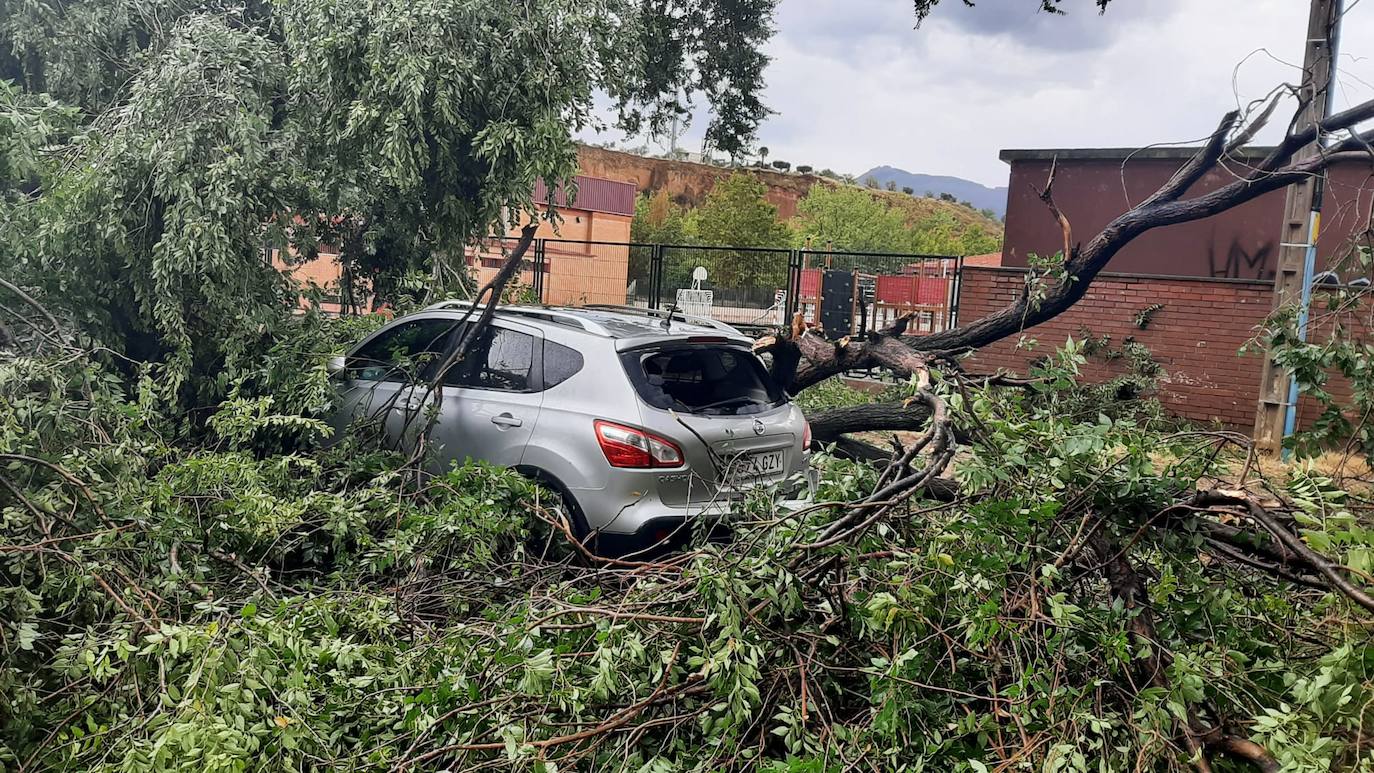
1278	397
672	140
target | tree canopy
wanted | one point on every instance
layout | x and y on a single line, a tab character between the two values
736	214
849	218
924	7
181	145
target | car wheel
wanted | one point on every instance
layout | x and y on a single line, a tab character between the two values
552	541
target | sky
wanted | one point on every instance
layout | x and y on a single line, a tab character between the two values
854	85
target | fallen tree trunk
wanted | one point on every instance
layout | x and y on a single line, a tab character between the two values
1046	297
830	425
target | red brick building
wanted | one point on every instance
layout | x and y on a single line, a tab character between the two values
1211	280
586	256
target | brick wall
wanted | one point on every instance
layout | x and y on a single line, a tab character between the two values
580	271
1195	336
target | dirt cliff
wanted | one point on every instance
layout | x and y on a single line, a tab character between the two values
688	183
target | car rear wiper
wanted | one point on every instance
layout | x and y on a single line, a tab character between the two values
723	403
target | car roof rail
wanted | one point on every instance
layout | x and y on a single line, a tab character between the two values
665	314
556	316
449	304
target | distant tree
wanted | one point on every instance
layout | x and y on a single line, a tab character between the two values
908	190
851	219
987	213
871	182
948	197
660	220
804	168
763	155
944	233
891	185
782	166
929	194
827	172
657	220
966	203
735	213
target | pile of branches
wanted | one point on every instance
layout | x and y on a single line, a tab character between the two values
222	602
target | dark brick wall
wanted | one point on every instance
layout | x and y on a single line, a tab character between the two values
1195	337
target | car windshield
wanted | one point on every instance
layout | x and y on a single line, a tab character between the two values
712	380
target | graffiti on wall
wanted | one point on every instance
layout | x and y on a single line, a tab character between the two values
1239	263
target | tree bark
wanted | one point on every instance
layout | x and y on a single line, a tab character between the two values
827	426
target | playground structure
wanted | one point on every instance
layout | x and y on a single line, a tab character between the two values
850	297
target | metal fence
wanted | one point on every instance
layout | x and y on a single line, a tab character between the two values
847	293
739	285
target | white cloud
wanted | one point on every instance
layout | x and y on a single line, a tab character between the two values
854	86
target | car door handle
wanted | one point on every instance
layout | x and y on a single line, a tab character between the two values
506	420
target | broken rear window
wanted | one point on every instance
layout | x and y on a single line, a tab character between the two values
712	380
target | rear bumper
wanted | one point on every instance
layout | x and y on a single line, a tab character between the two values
648	523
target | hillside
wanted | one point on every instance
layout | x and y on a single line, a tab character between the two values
980	196
919	209
687	183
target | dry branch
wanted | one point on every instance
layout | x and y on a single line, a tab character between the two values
487	300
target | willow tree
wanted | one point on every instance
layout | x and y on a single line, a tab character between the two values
398	131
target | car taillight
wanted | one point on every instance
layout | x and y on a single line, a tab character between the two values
806	435
629	447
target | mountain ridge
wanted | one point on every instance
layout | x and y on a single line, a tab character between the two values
977	194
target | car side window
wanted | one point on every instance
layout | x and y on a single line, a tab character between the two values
502	361
402	352
560	363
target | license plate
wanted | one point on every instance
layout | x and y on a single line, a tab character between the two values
749	468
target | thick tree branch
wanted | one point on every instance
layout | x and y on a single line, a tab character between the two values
827	426
823	359
1084	266
1199	165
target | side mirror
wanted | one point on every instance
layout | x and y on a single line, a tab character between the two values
337	364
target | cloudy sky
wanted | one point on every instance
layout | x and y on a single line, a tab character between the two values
855	86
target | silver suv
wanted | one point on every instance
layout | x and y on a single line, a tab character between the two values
641	422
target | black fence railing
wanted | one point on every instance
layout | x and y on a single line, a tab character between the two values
847	293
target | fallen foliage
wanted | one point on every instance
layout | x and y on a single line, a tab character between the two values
232	595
